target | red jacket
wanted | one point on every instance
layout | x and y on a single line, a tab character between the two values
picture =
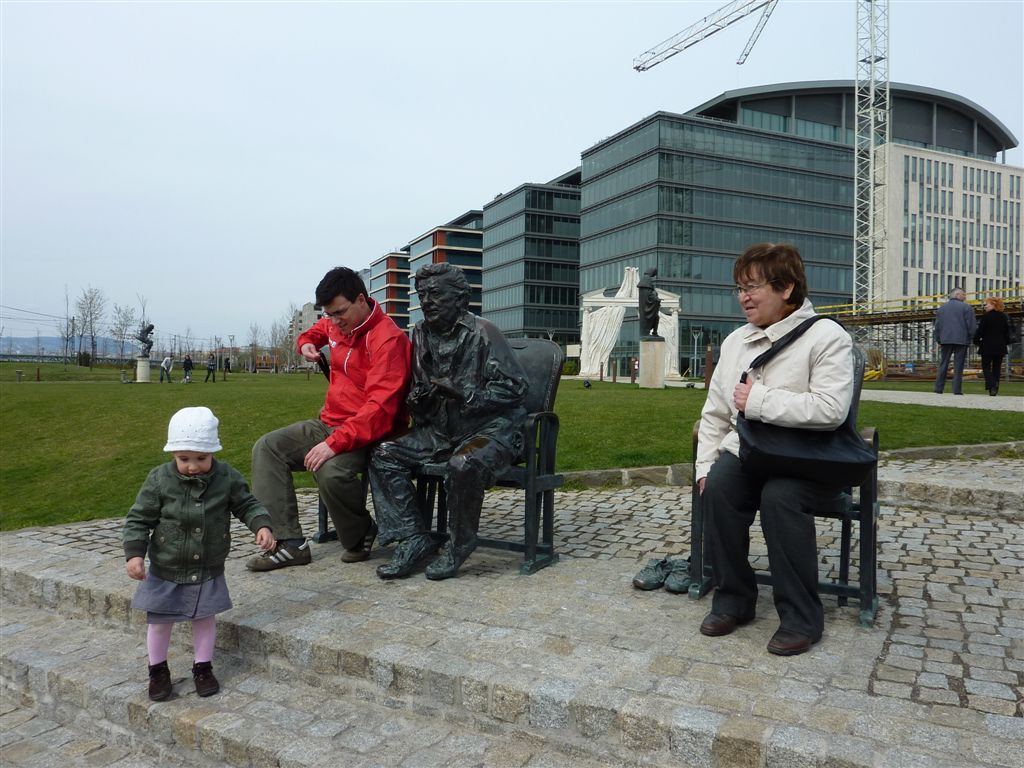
369	380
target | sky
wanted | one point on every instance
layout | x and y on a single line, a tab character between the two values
217	158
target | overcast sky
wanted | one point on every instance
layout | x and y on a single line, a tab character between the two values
218	158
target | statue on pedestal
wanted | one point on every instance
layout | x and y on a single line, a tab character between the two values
649	308
145	335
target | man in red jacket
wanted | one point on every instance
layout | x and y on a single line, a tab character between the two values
365	403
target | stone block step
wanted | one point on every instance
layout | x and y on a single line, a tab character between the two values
79	690
572	657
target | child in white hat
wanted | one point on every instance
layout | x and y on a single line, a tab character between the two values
182	519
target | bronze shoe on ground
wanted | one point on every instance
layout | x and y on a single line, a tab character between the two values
451	559
409	553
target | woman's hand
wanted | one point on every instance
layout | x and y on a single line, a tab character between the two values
741	393
136	568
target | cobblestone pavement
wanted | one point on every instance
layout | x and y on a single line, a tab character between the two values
946	651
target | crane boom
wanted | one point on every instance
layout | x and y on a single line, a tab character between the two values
728	14
757	30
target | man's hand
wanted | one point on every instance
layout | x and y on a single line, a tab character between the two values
700	486
265	539
741	393
317	455
136	568
309	352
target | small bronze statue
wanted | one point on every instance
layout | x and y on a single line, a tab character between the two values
649	309
145	335
466	404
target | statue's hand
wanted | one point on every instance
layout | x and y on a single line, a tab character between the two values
446	388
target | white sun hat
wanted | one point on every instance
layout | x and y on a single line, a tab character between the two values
193	429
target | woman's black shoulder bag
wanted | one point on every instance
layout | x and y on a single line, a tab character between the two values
837	458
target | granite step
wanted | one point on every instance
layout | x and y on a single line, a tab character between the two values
71	678
573	661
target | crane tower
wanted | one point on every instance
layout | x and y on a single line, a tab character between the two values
871	145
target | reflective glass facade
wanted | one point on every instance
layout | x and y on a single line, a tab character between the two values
687	195
531	261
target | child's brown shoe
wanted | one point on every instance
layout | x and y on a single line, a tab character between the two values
159	681
206	683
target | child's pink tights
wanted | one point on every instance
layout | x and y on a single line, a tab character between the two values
204	635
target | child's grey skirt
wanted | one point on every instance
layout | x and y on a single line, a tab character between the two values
166	602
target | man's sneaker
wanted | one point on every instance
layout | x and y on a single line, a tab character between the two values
362	549
652	575
202	676
678	579
281	556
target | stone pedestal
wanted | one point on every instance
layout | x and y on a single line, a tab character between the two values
142	370
652	363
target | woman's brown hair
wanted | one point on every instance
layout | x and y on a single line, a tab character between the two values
778	265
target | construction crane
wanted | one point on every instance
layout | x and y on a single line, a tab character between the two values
871	144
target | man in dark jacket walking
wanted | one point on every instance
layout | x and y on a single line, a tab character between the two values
954	328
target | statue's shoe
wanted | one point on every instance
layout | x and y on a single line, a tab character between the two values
409	553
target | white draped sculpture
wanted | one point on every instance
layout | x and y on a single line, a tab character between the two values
602	319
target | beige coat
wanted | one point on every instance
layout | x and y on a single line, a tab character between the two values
808	385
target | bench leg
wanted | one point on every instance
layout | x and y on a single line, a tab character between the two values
323	533
700	572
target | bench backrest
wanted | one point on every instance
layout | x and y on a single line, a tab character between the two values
541	360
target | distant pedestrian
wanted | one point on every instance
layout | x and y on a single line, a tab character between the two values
227	366
954	327
165	369
187	544
994	335
186	369
211	368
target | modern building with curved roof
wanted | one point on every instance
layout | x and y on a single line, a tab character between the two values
686	193
824	109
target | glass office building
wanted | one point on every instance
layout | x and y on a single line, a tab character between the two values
459	242
531	260
687	193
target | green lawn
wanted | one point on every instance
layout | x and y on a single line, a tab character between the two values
76	445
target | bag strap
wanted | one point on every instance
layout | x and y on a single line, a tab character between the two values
782	342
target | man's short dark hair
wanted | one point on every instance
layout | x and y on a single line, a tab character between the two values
454	276
340	281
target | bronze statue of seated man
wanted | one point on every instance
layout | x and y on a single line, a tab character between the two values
466	405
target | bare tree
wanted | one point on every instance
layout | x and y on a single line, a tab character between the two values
255	338
121	327
66	328
90	308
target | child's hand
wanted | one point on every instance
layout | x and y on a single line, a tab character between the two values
136	568
265	539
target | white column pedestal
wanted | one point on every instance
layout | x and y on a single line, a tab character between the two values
652	363
142	370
